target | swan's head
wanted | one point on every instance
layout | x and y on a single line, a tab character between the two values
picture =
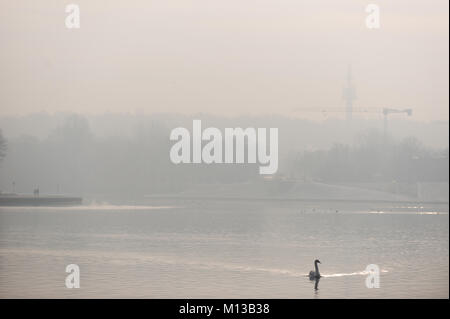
317	261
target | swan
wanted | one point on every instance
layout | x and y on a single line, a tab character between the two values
315	274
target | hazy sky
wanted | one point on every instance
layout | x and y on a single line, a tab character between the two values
222	57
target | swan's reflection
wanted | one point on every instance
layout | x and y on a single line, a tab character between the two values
316	288
316	284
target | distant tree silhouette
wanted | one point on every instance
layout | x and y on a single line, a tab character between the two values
2	146
372	160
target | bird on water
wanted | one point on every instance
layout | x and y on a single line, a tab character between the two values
315	274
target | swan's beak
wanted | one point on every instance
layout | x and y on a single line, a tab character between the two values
319	261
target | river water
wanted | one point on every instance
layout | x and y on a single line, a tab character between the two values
212	249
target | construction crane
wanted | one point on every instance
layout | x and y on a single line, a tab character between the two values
349	95
385	111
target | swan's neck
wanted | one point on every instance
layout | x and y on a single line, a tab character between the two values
316	266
